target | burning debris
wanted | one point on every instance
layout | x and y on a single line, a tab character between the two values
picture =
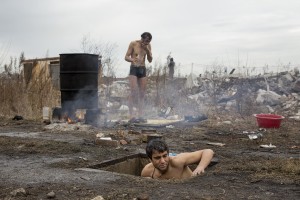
70	118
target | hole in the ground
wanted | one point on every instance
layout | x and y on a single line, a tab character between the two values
132	164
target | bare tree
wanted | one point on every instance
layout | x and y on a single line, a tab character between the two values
105	50
3	53
8	67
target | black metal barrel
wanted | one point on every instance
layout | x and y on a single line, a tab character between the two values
79	81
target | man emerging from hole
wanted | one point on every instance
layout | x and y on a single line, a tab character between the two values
163	166
136	54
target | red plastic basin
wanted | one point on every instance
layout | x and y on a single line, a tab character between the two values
268	120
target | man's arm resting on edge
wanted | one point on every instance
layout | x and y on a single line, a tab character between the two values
203	157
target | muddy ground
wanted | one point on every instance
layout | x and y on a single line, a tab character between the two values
40	161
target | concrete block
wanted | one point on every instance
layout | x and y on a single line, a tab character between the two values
109	143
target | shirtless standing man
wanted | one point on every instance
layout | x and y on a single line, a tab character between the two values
136	54
163	166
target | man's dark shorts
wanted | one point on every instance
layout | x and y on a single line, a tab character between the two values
138	71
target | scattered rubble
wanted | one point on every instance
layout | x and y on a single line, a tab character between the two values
255	136
98	198
51	195
216	144
269	146
68	127
19	192
244	95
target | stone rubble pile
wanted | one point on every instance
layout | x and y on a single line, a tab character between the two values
278	94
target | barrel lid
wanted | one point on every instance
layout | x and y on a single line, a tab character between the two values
79	54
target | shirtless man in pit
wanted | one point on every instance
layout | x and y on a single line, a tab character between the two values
163	166
136	54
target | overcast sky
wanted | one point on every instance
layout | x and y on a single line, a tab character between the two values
226	32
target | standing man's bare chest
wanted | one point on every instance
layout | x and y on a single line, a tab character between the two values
138	50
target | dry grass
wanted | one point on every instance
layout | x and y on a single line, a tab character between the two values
268	168
282	169
27	99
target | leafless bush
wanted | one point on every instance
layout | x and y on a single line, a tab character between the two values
12	98
12	94
105	50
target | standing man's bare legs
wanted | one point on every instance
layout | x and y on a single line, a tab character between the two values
142	82
137	95
134	92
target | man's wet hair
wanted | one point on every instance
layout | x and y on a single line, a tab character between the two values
146	35
156	145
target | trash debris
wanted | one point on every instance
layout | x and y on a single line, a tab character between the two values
173	117
99	135
137	120
107	141
196	118
168	111
227	122
170	126
262	129
255	136
124	108
149	131
123	142
85	159
51	195
98	198
270	146
142	196
295	147
216	144
105	138
165	112
296	118
17	117
19	192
